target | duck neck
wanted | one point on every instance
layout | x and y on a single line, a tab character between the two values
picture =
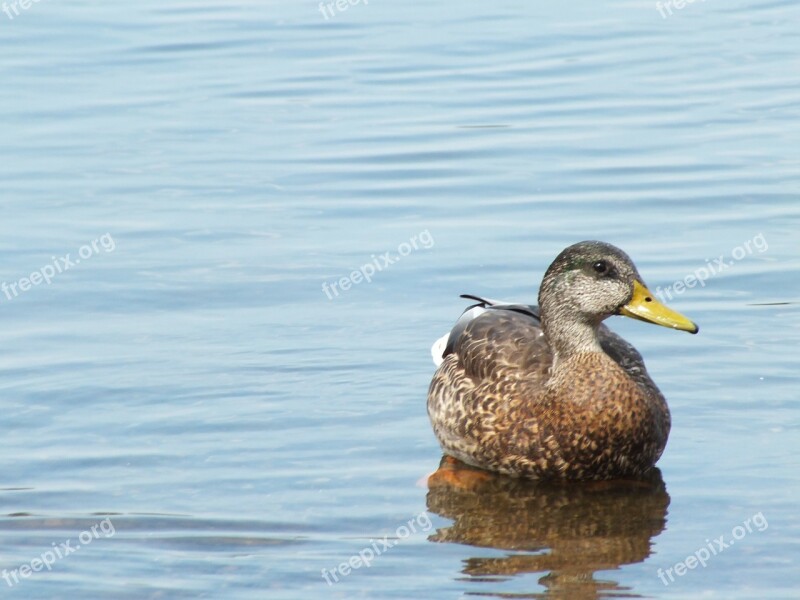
568	334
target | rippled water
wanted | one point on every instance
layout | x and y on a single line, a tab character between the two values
230	430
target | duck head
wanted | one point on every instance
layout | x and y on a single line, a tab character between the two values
591	281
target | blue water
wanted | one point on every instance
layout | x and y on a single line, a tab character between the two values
229	429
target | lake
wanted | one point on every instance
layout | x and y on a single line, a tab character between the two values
231	232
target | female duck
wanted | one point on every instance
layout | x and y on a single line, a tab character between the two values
549	391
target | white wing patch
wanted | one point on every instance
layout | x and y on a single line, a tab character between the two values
437	350
439	346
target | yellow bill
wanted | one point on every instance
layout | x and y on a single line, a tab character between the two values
644	307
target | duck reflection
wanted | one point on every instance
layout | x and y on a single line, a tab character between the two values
567	531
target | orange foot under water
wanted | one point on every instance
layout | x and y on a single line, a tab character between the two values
453	472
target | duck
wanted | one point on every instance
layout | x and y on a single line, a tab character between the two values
548	391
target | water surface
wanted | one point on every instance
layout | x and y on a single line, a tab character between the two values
242	430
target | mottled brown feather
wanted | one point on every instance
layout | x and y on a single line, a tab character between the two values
493	404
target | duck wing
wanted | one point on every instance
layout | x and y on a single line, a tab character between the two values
493	336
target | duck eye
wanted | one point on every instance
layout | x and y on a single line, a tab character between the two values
600	267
